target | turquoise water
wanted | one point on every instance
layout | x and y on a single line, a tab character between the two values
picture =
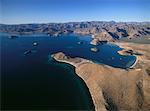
36	81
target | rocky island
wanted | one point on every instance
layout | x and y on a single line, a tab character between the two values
115	89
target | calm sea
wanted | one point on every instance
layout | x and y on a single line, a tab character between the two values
36	81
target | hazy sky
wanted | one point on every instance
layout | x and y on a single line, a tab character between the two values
44	11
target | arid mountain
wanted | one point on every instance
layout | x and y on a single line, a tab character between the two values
102	30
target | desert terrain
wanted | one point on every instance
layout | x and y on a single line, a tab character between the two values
116	89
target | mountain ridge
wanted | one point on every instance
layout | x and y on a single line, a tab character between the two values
99	29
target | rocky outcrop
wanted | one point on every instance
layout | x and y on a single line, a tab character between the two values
95	41
101	38
104	36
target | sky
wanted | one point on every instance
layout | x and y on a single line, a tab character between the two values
47	11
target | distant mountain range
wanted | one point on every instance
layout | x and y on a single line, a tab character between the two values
99	29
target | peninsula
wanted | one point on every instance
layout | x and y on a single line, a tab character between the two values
114	88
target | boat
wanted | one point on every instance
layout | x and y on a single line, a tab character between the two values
94	49
35	44
27	52
48	34
80	42
13	37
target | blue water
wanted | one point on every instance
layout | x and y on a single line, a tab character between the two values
36	81
69	45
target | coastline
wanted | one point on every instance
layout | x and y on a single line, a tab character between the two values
141	48
140	51
106	82
58	57
73	61
123	52
134	64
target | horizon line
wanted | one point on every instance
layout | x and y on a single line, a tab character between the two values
73	22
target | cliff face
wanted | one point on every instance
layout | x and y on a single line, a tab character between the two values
116	89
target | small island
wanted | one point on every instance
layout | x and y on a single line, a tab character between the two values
94	49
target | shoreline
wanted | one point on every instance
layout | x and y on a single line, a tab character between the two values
77	62
123	52
105	82
140	51
81	62
134	64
